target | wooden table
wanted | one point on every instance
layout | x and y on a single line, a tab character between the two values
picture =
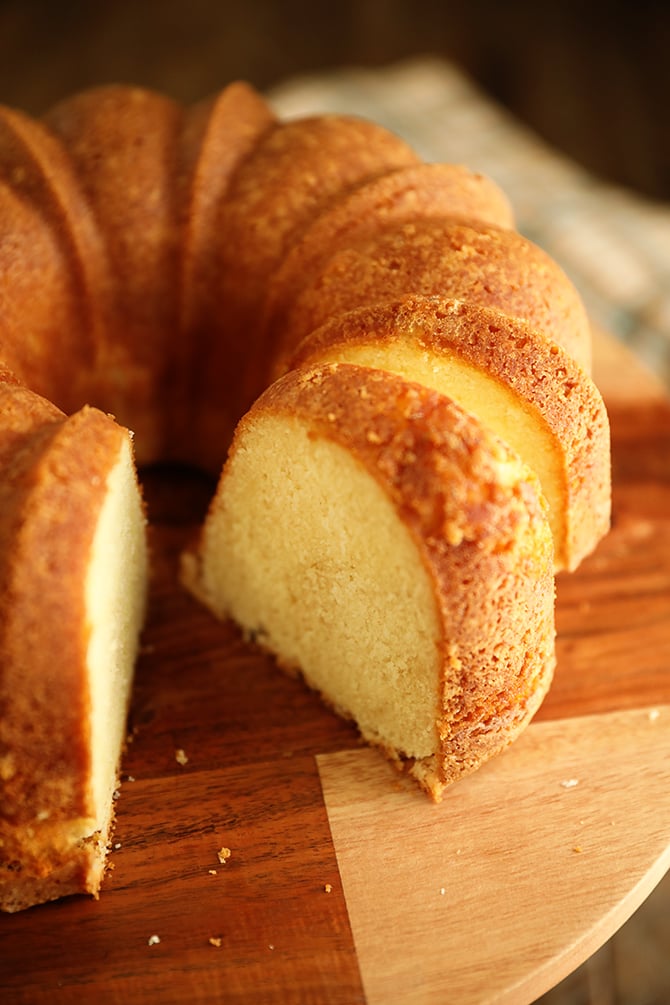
344	884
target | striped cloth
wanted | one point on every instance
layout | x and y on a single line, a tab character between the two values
614	244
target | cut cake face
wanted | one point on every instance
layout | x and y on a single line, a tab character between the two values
362	532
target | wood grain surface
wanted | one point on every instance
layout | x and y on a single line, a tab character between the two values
515	879
337	898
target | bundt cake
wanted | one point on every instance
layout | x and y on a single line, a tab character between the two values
419	445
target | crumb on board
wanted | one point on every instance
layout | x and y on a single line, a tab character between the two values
577	849
215	940
328	887
569	783
213	872
153	940
180	756
223	855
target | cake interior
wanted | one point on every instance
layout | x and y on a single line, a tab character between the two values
305	550
491	402
115	604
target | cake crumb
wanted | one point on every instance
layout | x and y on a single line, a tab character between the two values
442	891
153	940
215	940
654	714
569	783
223	855
328	887
117	845
577	848
181	757
213	872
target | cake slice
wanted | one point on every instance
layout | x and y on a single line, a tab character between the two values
374	537
73	563
522	387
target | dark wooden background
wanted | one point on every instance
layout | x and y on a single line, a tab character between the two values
593	78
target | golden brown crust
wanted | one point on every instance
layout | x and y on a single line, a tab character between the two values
23	413
296	170
479	521
52	264
477	263
540	374
219	134
404	195
24	883
123	143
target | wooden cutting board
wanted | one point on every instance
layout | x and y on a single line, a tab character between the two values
344	884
